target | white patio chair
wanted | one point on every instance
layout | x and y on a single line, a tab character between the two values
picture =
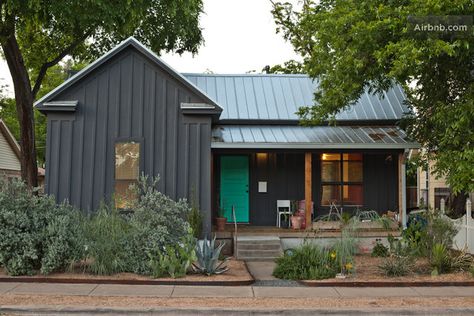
283	208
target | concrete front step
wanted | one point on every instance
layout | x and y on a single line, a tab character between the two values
258	248
258	253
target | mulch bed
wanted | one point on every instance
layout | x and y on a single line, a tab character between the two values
367	273
237	275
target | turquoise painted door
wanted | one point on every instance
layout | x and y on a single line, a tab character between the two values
235	187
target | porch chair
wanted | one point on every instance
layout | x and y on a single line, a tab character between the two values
283	208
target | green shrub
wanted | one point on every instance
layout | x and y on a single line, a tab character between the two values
36	233
209	257
380	250
156	222
174	261
195	218
346	247
306	262
106	234
395	266
440	260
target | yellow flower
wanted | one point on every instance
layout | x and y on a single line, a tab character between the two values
348	266
333	255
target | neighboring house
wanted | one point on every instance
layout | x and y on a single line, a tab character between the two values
230	139
10	155
432	188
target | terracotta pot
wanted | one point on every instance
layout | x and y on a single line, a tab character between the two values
220	223
296	222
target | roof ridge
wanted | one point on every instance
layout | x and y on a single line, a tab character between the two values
201	74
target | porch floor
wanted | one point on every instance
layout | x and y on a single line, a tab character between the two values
248	230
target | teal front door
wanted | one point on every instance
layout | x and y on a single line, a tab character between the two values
235	187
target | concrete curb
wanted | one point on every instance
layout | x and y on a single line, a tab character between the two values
77	310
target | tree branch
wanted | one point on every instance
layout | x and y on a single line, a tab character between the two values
44	68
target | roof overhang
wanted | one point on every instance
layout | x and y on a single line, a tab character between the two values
318	137
58	106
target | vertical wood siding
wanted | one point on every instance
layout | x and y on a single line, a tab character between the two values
129	97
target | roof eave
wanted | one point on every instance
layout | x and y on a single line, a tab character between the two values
222	145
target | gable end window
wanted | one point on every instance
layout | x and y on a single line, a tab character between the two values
127	170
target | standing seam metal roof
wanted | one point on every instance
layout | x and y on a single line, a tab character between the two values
285	137
278	97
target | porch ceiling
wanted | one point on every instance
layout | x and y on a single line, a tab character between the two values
318	137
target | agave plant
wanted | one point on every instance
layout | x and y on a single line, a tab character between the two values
208	257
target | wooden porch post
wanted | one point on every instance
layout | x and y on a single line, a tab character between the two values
308	194
402	214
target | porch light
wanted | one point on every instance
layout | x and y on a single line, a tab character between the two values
261	157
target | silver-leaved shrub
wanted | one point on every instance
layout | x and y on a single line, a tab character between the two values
36	233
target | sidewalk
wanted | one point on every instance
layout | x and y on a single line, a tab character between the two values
170	291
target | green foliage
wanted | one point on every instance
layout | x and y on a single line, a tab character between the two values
379	250
106	234
37	234
195	218
288	67
346	247
307	262
353	45
427	229
440	259
156	222
395	266
208	257
174	261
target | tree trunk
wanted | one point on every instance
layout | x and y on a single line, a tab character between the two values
24	107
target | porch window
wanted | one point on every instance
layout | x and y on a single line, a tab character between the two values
341	179
127	168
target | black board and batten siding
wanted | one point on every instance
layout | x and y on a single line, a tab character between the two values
284	174
128	98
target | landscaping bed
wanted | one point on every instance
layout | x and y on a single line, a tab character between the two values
368	273
236	275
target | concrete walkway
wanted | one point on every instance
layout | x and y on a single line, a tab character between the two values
170	291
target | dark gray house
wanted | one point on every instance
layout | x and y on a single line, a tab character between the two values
234	140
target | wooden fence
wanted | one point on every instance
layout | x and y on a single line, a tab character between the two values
465	236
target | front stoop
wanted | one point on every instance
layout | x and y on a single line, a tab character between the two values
258	248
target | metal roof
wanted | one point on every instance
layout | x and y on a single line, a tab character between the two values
278	97
327	137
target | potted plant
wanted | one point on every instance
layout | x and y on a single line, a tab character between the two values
221	220
296	218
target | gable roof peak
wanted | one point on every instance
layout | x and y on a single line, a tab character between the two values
129	42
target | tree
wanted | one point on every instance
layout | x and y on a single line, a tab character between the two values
54	77
36	35
353	45
288	67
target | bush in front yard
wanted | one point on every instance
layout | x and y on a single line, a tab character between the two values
307	262
157	222
36	233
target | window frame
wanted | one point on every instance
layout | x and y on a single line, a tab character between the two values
341	183
141	160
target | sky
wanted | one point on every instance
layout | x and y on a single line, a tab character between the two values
239	37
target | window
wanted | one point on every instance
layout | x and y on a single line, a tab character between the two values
127	169
341	179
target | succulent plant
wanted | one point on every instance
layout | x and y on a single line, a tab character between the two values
208	257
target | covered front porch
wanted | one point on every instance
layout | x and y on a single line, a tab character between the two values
251	182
